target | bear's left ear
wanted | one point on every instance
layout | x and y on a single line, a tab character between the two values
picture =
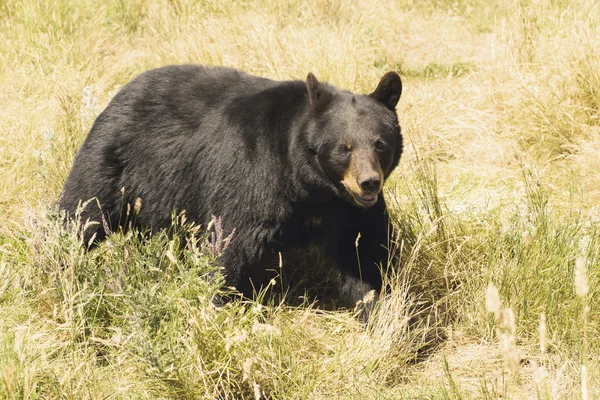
318	94
389	90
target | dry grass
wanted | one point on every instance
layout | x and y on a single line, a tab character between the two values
499	183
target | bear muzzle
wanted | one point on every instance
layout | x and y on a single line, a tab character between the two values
364	191
365	200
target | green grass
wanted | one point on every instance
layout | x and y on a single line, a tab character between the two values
498	185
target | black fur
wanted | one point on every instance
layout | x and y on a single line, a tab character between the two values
281	162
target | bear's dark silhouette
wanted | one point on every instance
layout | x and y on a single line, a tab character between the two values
288	164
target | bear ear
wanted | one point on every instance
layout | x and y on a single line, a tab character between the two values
318	95
389	90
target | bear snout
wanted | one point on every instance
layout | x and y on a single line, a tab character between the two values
370	184
363	191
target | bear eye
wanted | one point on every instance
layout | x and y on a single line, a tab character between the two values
346	148
380	145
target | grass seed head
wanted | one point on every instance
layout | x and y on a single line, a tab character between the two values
492	299
581	278
585	383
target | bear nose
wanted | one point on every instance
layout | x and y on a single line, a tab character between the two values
371	184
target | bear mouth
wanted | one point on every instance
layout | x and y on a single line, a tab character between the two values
364	200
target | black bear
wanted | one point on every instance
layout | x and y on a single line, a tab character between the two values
287	164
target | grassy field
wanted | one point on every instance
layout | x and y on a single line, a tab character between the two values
497	202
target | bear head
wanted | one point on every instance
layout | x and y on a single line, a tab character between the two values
356	138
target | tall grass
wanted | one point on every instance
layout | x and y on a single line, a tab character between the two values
498	188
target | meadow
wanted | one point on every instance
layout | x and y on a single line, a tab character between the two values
496	202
